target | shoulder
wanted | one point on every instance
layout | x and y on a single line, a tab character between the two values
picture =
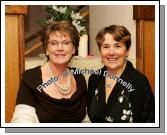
136	75
95	78
97	75
78	75
31	75
138	80
31	71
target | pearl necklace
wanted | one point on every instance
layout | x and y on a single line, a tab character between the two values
63	88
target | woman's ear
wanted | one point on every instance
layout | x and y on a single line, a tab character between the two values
127	52
47	52
73	52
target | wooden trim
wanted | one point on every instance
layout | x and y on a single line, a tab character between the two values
144	12
33	36
12	64
21	43
14	56
33	48
16	9
85	13
139	45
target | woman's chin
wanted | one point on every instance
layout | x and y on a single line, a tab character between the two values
62	62
112	67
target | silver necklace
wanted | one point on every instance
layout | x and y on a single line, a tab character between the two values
63	88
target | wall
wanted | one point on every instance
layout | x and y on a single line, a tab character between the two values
101	16
35	12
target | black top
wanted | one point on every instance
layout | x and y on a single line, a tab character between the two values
49	109
131	99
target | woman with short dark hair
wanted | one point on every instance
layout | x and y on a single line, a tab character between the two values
121	94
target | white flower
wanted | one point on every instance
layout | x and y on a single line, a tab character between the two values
78	27
60	9
76	16
64	12
55	8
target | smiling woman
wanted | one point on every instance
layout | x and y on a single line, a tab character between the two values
119	103
64	100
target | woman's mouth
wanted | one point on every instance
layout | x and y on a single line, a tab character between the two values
59	55
112	59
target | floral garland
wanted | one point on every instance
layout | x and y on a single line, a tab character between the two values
60	13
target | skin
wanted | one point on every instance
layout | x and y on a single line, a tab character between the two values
59	57
113	54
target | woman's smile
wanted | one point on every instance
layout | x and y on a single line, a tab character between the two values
113	53
112	59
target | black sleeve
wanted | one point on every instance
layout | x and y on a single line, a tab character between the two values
92	84
90	91
25	94
148	113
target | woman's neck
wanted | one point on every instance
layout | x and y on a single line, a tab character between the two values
57	69
117	72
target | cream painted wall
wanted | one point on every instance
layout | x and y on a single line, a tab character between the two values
101	16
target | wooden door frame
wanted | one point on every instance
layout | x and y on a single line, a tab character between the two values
142	14
14	54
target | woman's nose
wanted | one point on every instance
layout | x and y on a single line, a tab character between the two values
111	50
60	46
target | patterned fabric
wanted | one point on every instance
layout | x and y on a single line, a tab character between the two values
123	106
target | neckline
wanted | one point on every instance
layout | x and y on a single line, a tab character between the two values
117	88
73	96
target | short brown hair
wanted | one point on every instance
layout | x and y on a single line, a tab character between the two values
119	33
61	26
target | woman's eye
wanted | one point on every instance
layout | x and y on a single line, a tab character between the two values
117	45
67	43
105	46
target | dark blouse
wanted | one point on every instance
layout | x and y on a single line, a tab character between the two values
131	99
49	109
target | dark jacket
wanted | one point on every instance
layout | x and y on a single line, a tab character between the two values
139	101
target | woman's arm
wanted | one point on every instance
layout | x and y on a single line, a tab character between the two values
24	114
148	112
25	103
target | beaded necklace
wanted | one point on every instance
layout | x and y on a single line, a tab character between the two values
63	88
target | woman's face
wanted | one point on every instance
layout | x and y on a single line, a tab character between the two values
60	48
113	53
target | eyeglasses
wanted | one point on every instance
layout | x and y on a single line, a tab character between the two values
63	43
